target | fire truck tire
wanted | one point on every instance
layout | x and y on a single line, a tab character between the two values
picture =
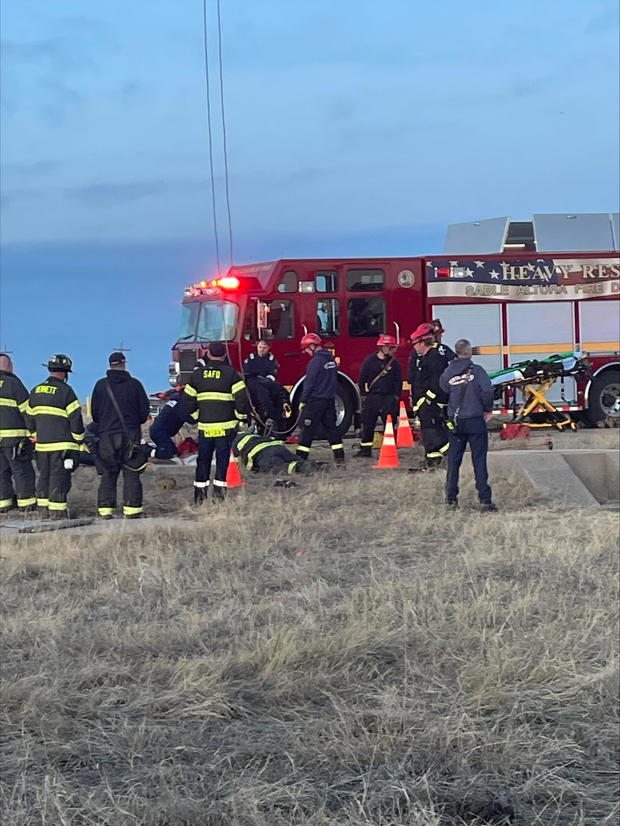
604	398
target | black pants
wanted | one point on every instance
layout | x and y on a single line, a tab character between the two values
207	446
278	459
112	458
54	482
165	448
269	398
434	433
375	406
16	477
473	432
319	414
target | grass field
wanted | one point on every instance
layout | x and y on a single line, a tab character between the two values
345	652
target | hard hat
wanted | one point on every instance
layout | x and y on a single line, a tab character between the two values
386	341
308	339
59	363
422	331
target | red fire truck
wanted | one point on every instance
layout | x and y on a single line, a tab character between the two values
517	304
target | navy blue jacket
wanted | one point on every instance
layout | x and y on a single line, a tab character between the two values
477	398
171	419
321	379
390	384
256	365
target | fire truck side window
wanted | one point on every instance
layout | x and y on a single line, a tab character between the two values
288	282
326	281
280	320
328	317
366	317
365	280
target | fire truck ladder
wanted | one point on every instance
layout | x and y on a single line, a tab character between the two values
534	379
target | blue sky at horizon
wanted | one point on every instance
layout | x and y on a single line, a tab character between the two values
354	128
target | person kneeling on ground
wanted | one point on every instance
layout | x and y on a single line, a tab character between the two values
270	455
167	424
469	409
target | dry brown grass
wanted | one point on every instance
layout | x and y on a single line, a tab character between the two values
346	653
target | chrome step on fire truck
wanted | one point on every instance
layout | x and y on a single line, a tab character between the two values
517	290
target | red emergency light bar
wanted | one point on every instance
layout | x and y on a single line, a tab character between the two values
228	282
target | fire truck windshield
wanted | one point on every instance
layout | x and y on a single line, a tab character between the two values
208	321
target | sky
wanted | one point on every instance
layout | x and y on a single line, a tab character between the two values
354	128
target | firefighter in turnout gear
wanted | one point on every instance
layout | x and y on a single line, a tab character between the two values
219	394
268	396
268	454
54	415
318	399
429	400
16	471
380	384
119	406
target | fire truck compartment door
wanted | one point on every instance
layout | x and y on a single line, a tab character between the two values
479	323
598	325
537	330
476	237
575	233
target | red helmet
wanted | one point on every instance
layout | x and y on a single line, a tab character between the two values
422	331
308	339
386	341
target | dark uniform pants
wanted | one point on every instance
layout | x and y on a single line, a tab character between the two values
16	477
375	406
207	446
165	448
434	432
269	398
473	432
54	482
279	459
112	458
319	414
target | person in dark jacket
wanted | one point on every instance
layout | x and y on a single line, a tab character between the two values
268	396
16	450
444	351
318	399
380	383
167	424
54	416
218	392
263	453
119	407
429	400
469	409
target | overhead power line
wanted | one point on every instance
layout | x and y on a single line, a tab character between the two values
210	131
227	189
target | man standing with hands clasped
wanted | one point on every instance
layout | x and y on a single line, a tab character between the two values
470	407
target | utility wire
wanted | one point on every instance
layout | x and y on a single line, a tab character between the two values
210	130
227	189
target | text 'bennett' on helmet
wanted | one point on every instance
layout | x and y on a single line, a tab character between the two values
59	363
422	331
386	341
308	339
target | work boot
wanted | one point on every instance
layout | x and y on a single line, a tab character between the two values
452	504
139	515
58	516
488	507
363	453
219	494
340	461
199	496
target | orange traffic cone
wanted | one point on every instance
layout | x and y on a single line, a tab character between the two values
388	457
233	477
404	435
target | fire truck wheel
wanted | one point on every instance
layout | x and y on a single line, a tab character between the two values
604	398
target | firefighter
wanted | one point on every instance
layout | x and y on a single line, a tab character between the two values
444	350
318	399
54	415
380	384
429	400
268	454
218	392
16	472
119	408
169	421
267	394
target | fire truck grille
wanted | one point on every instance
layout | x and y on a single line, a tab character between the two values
187	360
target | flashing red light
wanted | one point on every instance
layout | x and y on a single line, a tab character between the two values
202	284
229	282
443	272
